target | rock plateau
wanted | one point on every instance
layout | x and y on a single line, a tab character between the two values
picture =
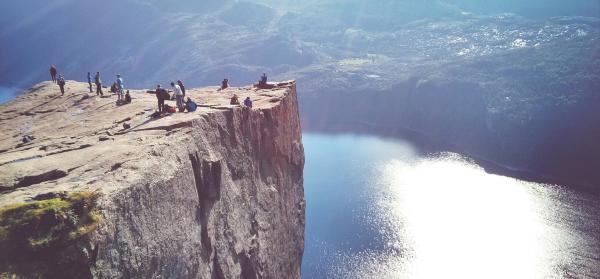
217	193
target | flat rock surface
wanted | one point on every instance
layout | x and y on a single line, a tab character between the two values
79	139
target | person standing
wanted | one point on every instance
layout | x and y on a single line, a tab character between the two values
178	95
120	87
160	97
61	84
53	72
90	81
98	82
180	83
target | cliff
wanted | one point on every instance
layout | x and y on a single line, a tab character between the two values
217	193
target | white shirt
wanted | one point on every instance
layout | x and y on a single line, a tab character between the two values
177	90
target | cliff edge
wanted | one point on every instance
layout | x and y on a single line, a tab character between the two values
216	193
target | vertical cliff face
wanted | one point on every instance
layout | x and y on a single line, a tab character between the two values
212	194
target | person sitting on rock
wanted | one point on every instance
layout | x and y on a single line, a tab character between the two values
248	102
127	98
225	84
190	105
113	87
234	100
262	83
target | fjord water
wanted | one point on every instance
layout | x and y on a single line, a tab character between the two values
7	94
377	208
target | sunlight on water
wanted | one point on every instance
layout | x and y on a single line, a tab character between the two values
378	209
462	222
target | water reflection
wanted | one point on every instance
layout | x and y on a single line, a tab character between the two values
438	217
452	219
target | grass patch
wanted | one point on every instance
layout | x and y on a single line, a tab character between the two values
37	234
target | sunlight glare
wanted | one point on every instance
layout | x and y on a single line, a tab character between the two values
462	222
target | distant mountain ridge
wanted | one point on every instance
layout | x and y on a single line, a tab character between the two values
500	80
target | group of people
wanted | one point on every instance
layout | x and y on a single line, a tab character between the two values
97	82
60	80
178	94
118	86
162	94
235	101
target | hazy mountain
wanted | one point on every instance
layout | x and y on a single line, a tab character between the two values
507	80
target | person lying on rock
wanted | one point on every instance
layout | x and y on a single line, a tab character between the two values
169	109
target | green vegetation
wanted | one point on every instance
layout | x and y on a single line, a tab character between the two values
38	237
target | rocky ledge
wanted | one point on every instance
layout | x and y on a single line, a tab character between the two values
216	193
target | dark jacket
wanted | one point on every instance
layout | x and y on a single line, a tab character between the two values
161	93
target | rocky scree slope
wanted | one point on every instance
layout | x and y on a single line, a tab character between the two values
217	193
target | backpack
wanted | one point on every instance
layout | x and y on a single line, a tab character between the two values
170	109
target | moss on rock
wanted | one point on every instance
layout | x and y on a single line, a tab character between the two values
37	238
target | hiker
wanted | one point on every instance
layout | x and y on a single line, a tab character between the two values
98	84
127	98
120	87
190	105
90	81
248	102
53	73
180	83
263	81
61	83
225	84
178	95
160	96
234	100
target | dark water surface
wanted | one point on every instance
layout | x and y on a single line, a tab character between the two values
376	208
8	93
